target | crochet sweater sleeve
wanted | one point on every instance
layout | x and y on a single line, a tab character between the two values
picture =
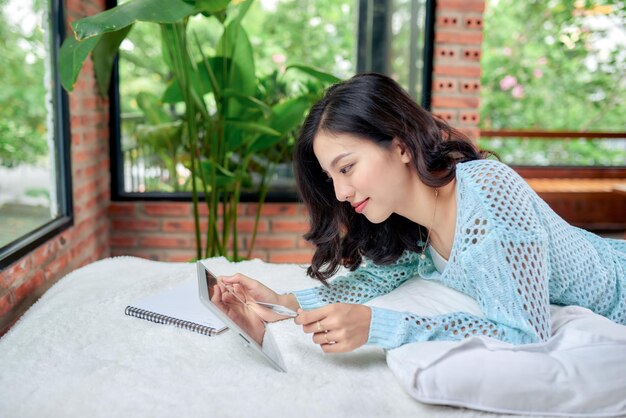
516	311
389	328
366	282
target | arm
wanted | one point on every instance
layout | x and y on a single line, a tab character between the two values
507	275
366	282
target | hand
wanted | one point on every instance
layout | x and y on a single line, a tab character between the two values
337	328
230	302
256	291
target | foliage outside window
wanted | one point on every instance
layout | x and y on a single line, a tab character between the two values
317	33
555	66
32	200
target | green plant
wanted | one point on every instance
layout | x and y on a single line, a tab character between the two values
226	125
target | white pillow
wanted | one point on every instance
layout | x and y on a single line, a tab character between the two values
580	371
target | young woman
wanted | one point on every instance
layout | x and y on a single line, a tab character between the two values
393	192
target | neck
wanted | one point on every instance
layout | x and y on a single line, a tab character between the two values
422	206
442	229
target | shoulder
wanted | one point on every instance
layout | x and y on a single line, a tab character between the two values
486	177
504	197
487	171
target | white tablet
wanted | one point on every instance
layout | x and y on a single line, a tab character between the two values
228	307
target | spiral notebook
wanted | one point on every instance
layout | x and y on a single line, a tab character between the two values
179	306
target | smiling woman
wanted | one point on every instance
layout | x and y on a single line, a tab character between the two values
409	195
33	172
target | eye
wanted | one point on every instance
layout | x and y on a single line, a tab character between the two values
346	169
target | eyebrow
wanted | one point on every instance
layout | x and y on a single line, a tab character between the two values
337	158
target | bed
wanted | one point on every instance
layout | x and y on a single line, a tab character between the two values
75	353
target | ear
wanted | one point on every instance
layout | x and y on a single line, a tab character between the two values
401	149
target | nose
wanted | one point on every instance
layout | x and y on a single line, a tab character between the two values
343	191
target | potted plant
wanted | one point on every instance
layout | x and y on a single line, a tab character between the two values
228	124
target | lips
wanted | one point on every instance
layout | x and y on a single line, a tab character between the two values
360	206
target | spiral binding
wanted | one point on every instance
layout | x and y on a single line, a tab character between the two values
164	319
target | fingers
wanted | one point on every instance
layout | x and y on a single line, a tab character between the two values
240	293
309	319
264	313
325	337
237	278
337	327
330	342
217	294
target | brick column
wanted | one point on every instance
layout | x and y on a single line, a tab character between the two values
456	73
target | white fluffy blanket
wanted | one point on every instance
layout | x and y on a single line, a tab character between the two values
75	354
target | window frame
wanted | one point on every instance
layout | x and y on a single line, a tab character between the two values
560	171
23	245
117	162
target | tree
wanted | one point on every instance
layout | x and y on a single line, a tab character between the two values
557	65
23	94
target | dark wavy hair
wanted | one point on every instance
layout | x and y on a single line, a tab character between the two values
375	108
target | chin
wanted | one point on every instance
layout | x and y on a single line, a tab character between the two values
377	219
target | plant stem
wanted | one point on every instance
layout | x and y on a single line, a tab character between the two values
182	68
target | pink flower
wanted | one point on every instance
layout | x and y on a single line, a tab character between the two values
507	51
537	73
542	61
517	92
279	58
507	82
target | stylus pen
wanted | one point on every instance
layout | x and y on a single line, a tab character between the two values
279	309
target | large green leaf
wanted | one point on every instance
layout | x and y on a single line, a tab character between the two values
242	9
211	6
72	55
103	56
240	133
119	17
314	72
286	116
242	74
200	80
251	127
249	101
223	177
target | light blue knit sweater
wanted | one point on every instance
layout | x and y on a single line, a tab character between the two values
511	253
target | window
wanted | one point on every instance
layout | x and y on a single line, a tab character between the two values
35	200
553	83
396	38
393	37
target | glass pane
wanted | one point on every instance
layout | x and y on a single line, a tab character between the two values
281	32
407	44
27	175
555	66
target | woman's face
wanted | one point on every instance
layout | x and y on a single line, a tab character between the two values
373	179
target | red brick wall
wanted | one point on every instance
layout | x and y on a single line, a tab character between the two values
23	282
165	231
